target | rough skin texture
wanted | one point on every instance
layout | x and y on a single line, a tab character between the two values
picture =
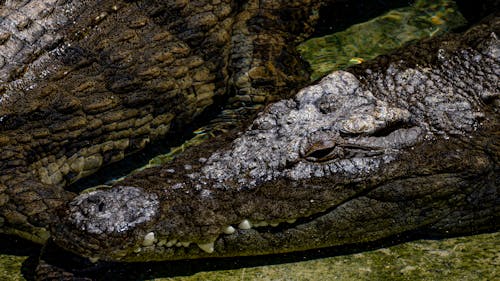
408	142
85	83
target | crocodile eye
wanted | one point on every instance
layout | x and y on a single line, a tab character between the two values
323	151
321	155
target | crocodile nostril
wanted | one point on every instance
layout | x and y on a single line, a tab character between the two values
101	206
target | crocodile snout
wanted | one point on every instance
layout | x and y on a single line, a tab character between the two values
112	211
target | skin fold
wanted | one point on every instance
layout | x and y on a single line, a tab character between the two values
407	142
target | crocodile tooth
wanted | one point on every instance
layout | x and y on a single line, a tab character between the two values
245	224
208	247
274	224
94	259
185	244
149	239
229	230
171	243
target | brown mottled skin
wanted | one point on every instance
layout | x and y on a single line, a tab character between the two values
84	83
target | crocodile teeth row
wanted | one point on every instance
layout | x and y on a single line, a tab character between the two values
150	239
246	224
207	247
174	242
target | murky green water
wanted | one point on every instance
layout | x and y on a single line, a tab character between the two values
464	258
388	32
10	267
456	259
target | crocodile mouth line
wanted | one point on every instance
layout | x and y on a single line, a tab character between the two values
177	249
153	244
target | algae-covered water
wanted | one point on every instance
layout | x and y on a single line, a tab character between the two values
455	259
380	35
464	258
10	267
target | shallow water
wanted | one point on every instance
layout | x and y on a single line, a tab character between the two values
464	258
10	268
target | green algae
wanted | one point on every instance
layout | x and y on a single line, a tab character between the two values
462	258
10	267
474	257
379	36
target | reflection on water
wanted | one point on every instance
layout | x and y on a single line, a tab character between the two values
388	32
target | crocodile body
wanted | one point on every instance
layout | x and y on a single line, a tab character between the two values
85	83
407	142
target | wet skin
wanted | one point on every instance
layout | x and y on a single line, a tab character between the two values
406	142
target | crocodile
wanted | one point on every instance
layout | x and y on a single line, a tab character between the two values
406	142
86	83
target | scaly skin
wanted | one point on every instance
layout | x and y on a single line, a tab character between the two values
84	83
408	142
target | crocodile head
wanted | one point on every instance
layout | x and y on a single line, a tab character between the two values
355	158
